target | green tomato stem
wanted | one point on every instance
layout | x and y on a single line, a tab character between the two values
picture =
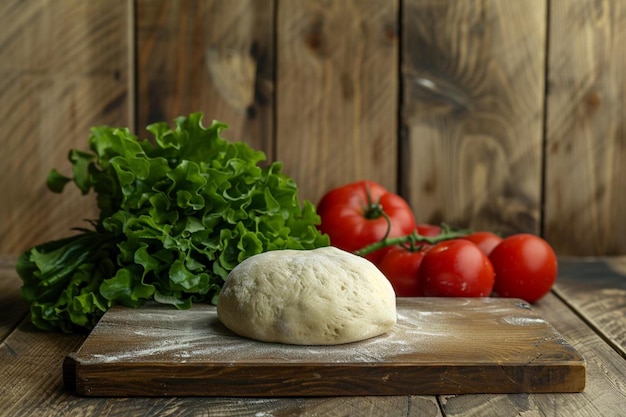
413	240
374	210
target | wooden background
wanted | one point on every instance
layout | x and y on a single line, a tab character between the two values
504	115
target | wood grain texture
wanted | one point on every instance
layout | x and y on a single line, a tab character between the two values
214	57
604	395
472	112
57	80
31	384
13	308
597	289
460	129
159	351
30	378
586	132
337	86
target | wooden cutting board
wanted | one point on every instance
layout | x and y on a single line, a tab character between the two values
439	346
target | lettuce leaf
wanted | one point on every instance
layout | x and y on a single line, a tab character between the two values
177	214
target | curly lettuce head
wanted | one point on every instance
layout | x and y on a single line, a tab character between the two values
180	210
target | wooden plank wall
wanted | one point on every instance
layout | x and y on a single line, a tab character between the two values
500	114
473	78
585	186
64	66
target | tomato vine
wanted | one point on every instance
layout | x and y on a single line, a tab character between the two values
414	241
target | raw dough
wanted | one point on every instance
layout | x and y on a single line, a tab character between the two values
323	296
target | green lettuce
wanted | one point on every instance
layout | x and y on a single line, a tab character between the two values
176	214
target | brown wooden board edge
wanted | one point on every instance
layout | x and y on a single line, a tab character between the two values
315	380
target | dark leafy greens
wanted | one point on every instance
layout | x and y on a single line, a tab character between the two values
177	214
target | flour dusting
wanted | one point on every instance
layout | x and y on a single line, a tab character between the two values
422	333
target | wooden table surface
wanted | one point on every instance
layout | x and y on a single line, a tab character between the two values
587	306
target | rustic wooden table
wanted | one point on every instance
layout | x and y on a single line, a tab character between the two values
587	306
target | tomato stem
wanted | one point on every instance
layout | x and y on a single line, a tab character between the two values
414	239
374	210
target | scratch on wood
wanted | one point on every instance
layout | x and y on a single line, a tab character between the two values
11	350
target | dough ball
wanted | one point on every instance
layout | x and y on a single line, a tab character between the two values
322	296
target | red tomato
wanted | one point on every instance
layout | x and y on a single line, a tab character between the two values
456	268
428	230
525	267
401	267
486	241
352	216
